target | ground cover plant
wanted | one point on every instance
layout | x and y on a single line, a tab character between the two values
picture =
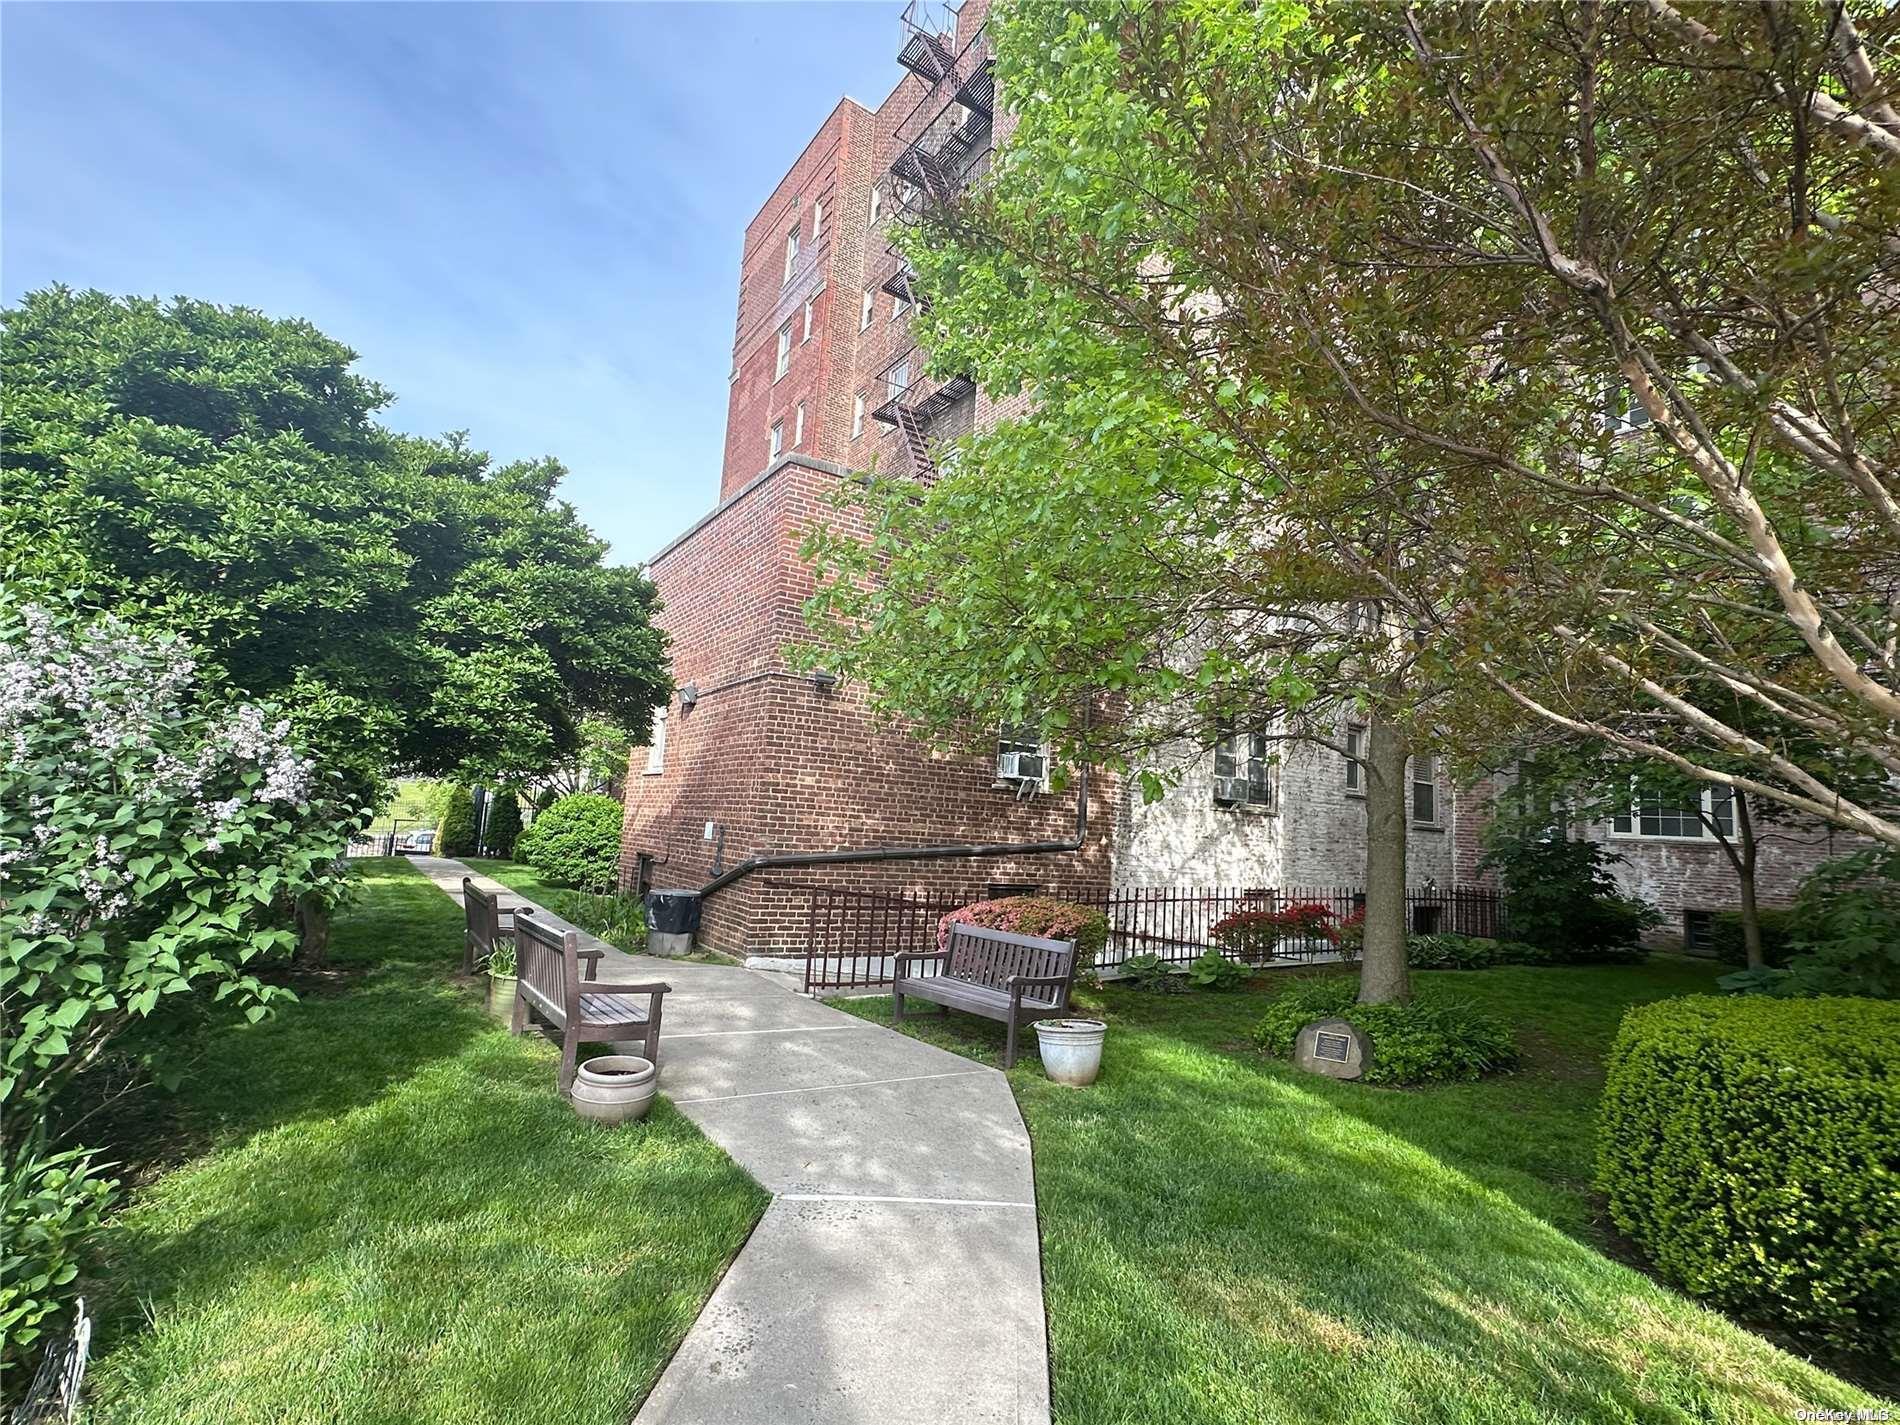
386	1214
1437	1035
1229	1241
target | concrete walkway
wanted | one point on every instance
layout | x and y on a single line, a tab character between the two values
896	1276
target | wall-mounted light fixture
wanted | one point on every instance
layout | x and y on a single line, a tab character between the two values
823	681
689	695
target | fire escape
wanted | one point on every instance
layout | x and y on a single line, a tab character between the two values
943	147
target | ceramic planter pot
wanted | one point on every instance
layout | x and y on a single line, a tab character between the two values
501	997
1071	1049
617	1088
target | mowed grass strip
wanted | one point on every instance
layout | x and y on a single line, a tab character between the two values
1227	1241
399	1219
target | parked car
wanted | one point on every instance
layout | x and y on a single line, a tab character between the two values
415	843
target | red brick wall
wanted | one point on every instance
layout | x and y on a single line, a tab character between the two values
783	766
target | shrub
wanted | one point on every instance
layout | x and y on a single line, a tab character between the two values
1559	895
1214	971
1470	952
620	920
1254	934
1848	912
575	842
1777	936
1751	1146
455	832
1436	1036
504	824
1153	974
1349	936
52	1206
1043	916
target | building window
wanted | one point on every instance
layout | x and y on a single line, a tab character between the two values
1657	815
1243	773
898	306
784	351
1698	932
817	218
778	438
1425	789
864	314
877	203
798	425
857	417
897	380
791	251
1355	759
656	747
810	302
1020	756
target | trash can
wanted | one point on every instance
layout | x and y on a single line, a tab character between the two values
672	917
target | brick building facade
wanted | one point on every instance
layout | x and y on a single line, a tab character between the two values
752	759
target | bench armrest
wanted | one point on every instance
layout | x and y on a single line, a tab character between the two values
899	961
1023	981
618	989
590	963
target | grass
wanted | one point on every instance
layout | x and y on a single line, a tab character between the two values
395	1218
1227	1240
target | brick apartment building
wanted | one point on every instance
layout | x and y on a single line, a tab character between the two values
754	760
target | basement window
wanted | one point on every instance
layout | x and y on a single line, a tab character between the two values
1243	771
1698	932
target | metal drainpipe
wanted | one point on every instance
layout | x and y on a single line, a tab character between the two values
914	853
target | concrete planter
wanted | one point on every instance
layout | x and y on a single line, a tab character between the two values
1071	1049
615	1089
501	997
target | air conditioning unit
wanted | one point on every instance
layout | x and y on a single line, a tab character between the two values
1230	791
1019	766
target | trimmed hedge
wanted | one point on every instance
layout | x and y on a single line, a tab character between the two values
575	842
1043	916
1751	1147
455	832
1437	1036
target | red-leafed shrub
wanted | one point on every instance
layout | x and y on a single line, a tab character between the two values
1253	934
1350	934
1043	916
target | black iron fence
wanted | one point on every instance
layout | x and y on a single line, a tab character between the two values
852	937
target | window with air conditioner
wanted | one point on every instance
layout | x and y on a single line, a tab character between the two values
1355	759
1425	789
784	352
1020	755
1243	769
1673	817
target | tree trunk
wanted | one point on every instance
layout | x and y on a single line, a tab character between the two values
1745	873
1383	977
313	931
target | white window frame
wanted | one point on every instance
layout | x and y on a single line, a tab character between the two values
784	352
1422	773
1245	775
656	747
898	306
791	253
1716	803
817	218
864	313
857	416
893	387
877	202
798	426
1355	759
809	303
1021	738
778	439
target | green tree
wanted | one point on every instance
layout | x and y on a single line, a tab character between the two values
455	832
504	823
220	473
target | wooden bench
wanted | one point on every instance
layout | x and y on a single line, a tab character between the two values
550	983
482	926
1017	979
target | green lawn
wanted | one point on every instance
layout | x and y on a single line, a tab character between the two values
395	1218
1228	1240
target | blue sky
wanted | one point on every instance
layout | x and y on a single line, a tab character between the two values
525	218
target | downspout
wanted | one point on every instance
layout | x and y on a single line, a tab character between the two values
914	853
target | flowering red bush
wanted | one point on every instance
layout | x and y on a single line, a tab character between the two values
1043	916
1350	934
1252	934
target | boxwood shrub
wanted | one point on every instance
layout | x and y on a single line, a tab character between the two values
1751	1147
575	843
1437	1036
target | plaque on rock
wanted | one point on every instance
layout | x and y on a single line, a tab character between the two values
1332	1047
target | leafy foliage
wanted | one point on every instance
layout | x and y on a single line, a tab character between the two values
1471	952
620	920
1751	1147
1559	895
1152	974
1254	934
1437	1036
455	832
1042	916
52	1208
1214	971
504	824
217	472
503	960
1778	930
575	842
